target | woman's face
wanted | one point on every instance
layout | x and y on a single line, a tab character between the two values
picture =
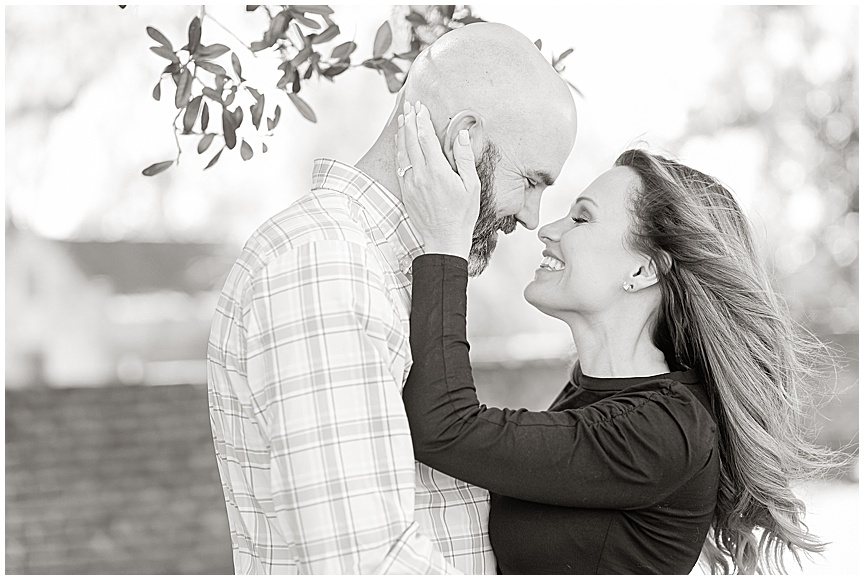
586	263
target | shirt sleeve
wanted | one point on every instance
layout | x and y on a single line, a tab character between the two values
327	393
626	452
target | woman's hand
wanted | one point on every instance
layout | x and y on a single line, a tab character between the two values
443	205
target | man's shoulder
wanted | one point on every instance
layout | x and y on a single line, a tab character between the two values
320	216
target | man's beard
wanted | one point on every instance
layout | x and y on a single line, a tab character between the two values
485	236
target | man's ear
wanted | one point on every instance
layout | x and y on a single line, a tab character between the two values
473	123
643	276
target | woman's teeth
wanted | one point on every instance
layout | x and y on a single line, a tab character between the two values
552	264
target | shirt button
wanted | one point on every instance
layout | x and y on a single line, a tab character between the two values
405	265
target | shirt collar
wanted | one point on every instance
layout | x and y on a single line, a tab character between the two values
684	376
384	208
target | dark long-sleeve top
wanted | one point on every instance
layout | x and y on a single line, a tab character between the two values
619	476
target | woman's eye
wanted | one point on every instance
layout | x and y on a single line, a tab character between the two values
580	220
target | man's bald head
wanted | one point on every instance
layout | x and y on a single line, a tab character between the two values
495	71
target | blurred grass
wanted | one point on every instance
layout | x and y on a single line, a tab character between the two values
115	480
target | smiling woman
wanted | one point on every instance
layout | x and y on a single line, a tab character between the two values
681	429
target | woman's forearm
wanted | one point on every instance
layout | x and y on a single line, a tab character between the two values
439	391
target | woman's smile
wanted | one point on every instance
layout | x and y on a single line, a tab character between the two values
551	263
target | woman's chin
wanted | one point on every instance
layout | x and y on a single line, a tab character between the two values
533	296
540	296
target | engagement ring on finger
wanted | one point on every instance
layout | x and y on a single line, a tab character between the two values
401	171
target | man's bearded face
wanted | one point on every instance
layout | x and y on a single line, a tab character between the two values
485	236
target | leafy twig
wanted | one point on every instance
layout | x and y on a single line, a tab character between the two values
176	137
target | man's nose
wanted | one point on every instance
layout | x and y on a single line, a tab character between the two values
529	215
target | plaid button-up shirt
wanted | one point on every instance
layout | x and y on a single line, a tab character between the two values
307	356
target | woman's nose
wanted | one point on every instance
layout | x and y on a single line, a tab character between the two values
551	232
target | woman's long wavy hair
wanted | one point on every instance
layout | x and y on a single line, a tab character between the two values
720	315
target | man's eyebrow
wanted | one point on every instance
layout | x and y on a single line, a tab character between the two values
542	176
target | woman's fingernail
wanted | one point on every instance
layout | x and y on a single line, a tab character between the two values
417	106
464	138
406	108
401	120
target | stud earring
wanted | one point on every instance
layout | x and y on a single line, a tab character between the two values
627	286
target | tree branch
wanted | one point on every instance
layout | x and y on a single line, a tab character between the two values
237	38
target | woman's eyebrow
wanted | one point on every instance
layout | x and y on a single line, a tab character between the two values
588	199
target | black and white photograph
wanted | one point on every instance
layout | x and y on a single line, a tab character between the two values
373	289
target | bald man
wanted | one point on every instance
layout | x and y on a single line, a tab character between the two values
309	346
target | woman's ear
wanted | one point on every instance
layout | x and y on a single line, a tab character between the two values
473	123
643	276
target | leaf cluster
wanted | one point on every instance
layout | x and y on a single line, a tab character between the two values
202	84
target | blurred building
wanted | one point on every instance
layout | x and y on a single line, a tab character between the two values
90	313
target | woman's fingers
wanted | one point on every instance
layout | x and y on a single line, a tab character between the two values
429	144
402	158
463	154
441	204
415	154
